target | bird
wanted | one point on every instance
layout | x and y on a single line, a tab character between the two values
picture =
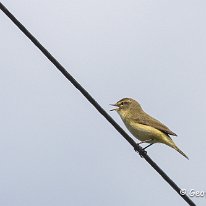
144	127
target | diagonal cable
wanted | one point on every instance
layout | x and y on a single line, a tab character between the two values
95	104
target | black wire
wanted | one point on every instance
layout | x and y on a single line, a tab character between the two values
95	104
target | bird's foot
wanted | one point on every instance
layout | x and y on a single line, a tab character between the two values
141	151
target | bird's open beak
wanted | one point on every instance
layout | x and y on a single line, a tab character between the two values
115	109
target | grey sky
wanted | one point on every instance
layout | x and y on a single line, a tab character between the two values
56	149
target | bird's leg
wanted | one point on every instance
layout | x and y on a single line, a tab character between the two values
148	146
143	151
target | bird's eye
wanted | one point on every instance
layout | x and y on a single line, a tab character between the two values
122	103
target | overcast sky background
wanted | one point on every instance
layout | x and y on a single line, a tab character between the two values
55	148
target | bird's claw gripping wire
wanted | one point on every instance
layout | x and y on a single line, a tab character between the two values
140	150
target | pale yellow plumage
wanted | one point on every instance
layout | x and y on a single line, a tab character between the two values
142	126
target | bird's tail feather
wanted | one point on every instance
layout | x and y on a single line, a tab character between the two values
180	151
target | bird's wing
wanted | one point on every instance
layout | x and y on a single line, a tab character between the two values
148	120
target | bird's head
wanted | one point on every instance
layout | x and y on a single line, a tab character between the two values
125	105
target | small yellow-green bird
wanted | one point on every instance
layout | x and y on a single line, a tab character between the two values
144	127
